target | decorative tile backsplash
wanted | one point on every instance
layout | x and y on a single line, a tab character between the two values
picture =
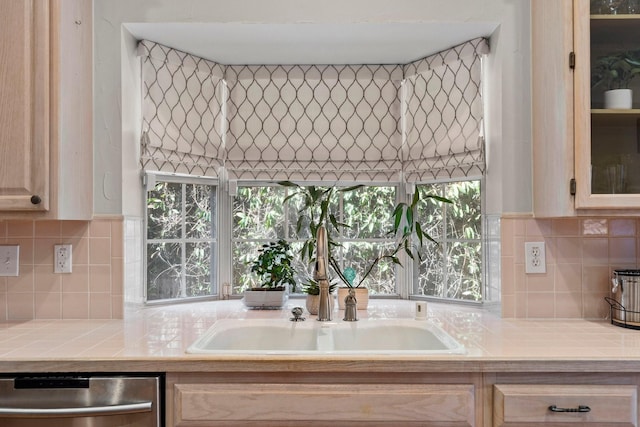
581	254
94	289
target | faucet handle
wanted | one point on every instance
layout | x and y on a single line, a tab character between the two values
297	314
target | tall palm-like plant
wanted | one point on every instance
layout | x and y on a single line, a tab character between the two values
315	211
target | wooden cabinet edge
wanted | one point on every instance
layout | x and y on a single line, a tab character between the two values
67	94
552	108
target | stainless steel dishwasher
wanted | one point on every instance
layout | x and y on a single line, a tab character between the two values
81	400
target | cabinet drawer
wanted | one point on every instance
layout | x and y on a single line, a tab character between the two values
323	404
610	405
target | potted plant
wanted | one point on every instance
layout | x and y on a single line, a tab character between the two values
614	74
312	290
276	274
315	211
410	237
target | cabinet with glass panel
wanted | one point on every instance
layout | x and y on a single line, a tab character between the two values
607	109
586	139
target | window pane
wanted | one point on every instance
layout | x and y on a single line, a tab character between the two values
464	270
199	210
258	213
243	254
199	268
464	215
180	241
164	211
431	278
164	267
368	211
430	212
299	217
451	269
360	257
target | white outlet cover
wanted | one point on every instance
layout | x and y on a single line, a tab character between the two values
9	260
535	257
62	259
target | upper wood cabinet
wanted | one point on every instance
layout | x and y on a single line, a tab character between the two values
24	105
46	150
586	156
552	107
608	144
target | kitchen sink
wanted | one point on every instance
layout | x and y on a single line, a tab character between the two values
367	336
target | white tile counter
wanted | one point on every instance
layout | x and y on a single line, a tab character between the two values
155	338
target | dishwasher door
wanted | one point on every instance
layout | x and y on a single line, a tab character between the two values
80	401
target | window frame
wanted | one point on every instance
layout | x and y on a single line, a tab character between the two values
149	181
415	268
341	238
222	287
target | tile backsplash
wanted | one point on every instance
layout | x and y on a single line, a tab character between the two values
94	289
581	254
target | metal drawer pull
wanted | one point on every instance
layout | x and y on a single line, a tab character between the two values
89	411
581	408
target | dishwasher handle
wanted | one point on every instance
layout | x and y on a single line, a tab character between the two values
83	411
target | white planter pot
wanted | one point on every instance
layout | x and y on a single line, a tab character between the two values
618	99
265	299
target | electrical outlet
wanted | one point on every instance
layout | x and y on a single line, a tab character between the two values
534	257
62	259
9	260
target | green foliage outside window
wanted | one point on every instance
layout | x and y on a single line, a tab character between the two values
180	241
453	269
366	211
182	248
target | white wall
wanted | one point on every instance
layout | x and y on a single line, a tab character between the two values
509	175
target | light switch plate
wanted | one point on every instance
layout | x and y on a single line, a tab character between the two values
9	260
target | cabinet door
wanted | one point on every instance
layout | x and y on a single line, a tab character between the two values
554	404
24	105
607	136
296	404
552	107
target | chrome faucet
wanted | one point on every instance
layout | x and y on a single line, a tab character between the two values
320	275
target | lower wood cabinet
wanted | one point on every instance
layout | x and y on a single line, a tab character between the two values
218	402
560	404
446	399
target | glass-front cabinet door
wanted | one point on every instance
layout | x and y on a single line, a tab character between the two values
607	103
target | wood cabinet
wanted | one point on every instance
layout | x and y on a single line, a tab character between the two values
385	398
586	158
608	148
543	404
321	400
24	105
552	99
46	150
553	399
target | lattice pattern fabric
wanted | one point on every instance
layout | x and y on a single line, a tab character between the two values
314	122
443	114
182	111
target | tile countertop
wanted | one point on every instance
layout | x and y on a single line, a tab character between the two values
155	338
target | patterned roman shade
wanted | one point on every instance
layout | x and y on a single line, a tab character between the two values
314	122
181	112
443	114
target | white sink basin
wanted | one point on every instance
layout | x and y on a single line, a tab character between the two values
367	336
